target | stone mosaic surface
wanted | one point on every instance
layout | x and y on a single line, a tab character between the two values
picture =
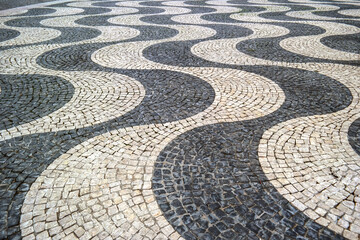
180	120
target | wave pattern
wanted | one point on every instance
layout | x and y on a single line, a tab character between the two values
180	120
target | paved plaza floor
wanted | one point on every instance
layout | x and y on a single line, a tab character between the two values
215	119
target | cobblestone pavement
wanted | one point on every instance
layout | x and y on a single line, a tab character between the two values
6	4
216	119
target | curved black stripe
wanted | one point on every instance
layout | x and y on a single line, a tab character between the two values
347	43
219	18
159	19
96	21
197	3
26	22
175	54
229	31
38	11
354	135
73	34
209	183
7	34
105	4
149	10
93	10
25	98
152	4
350	22
71	58
197	10
170	96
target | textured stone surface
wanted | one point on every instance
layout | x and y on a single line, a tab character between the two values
211	178
354	135
17	3
25	98
180	119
